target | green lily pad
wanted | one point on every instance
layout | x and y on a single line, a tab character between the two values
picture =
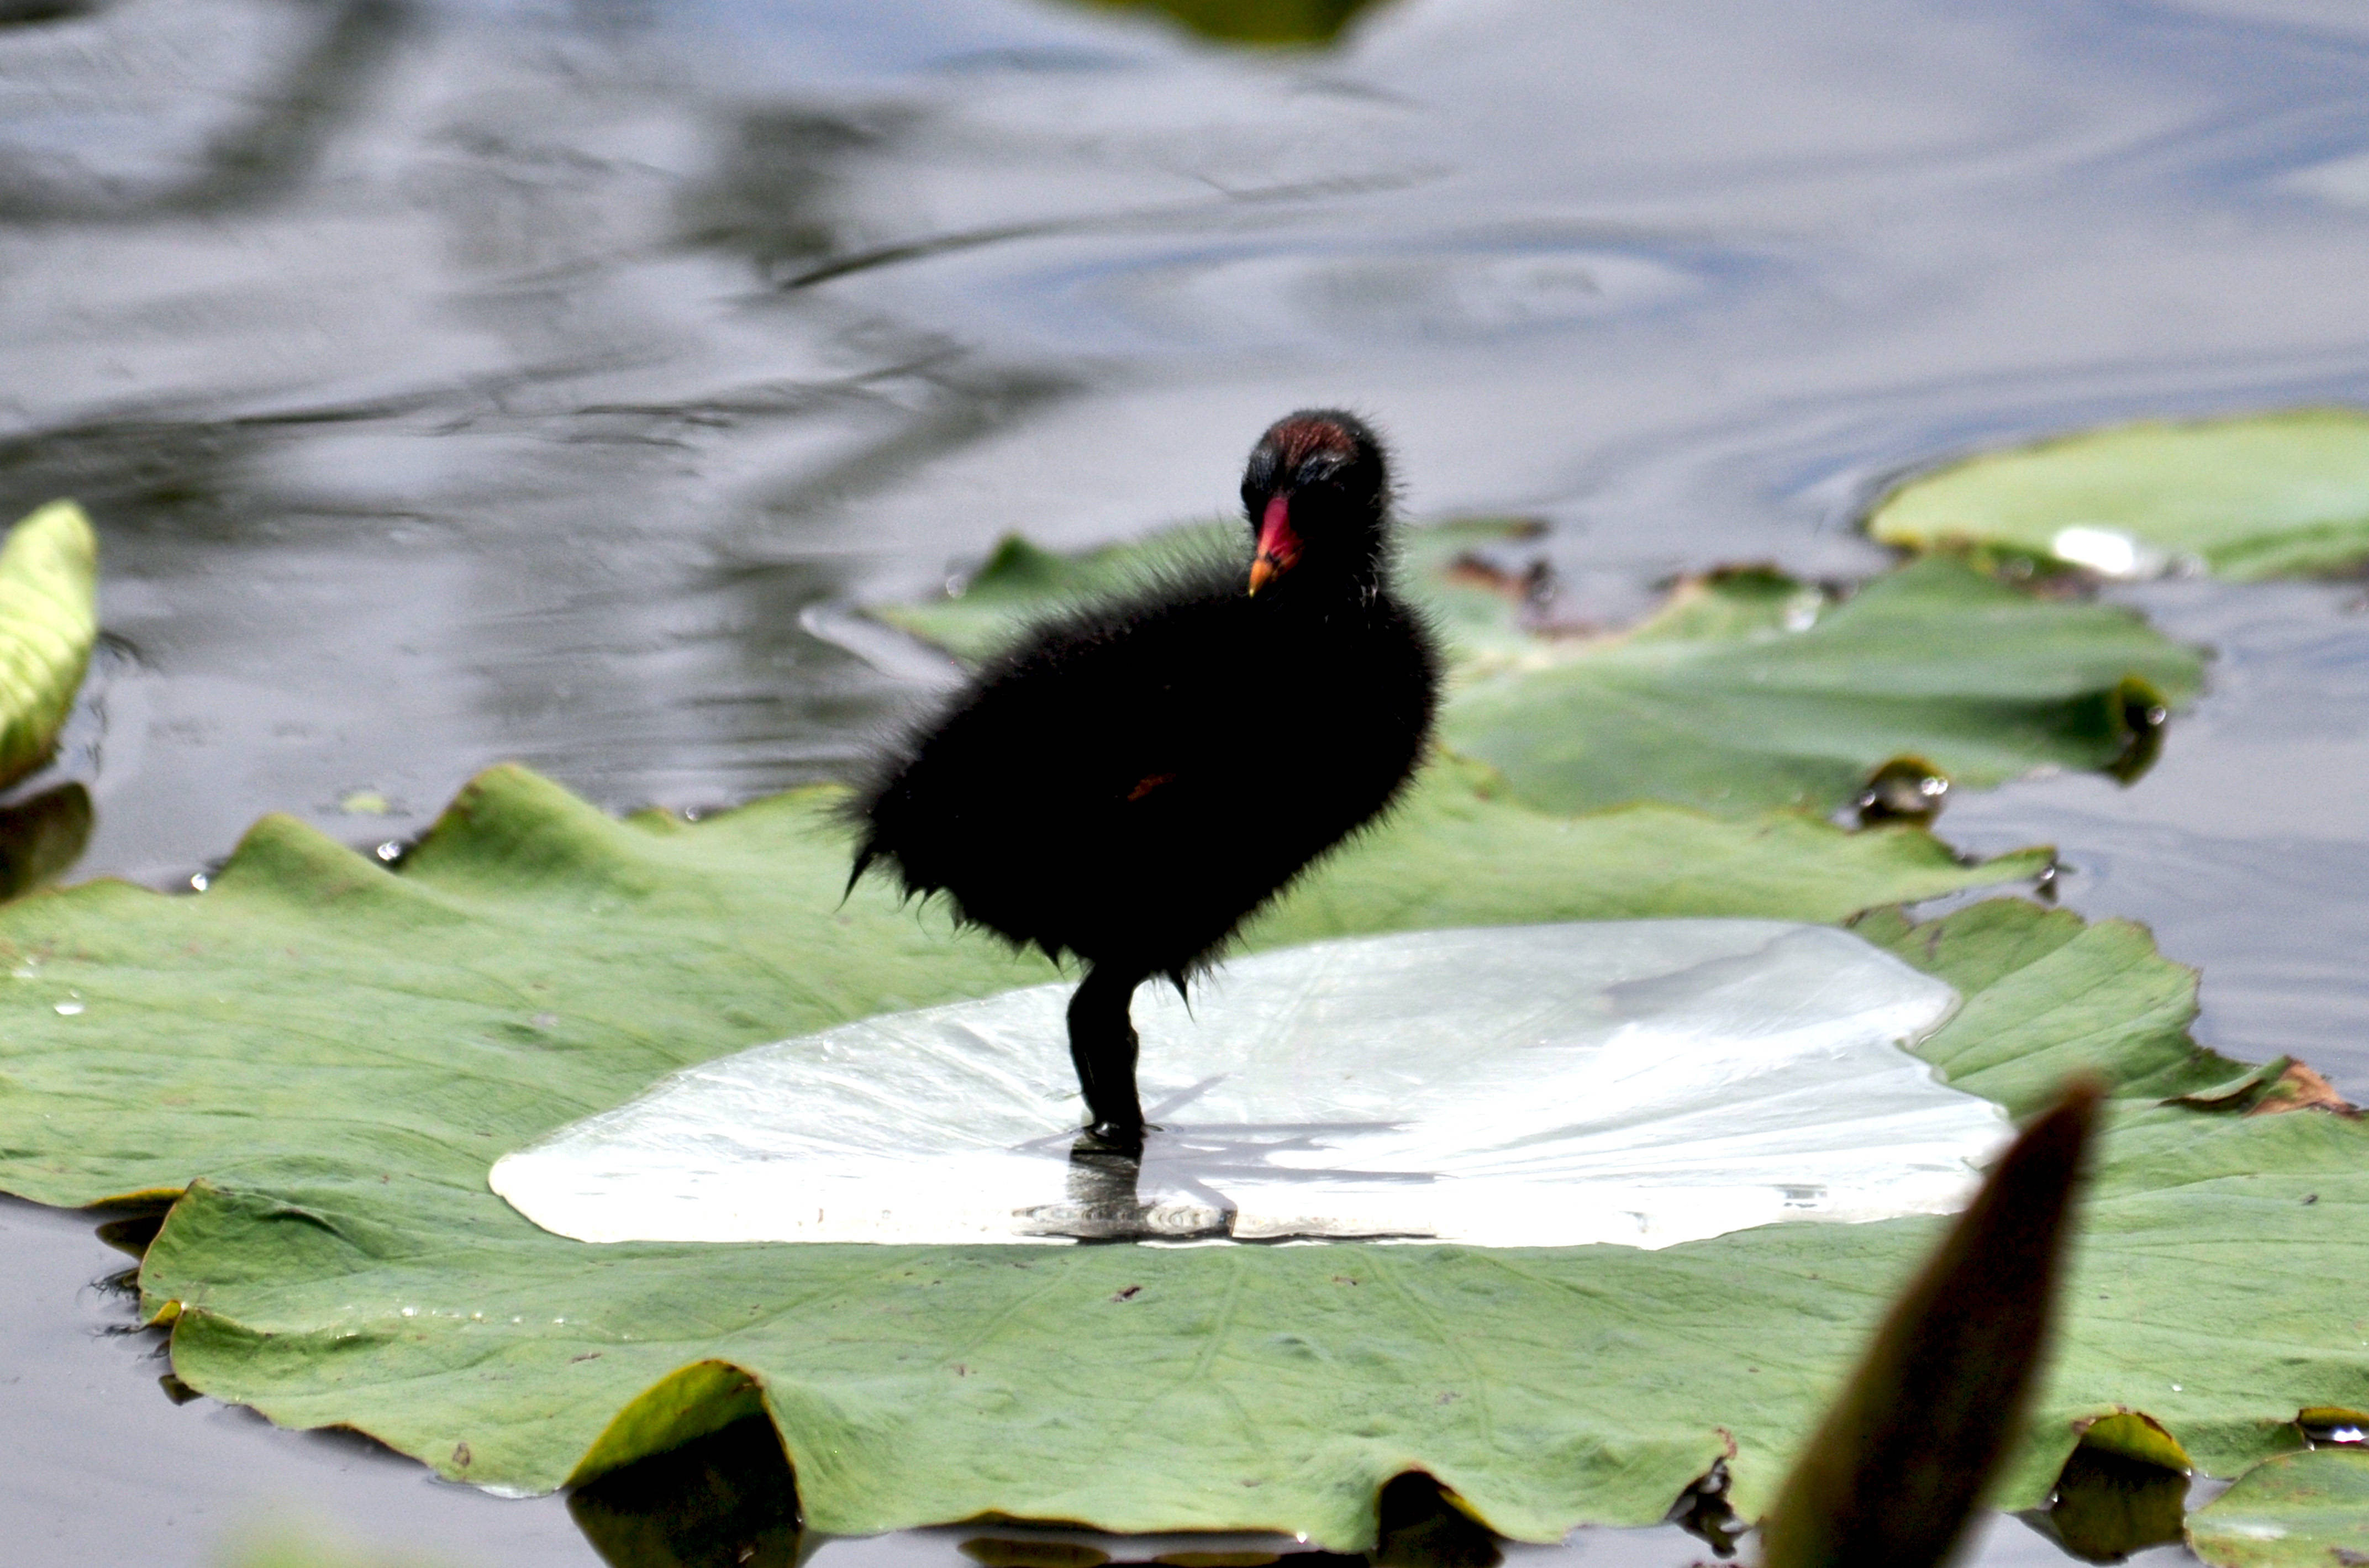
2271	494
49	619
329	1055
2306	1510
613	952
1746	691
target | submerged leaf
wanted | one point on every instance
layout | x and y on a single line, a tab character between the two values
49	619
2269	495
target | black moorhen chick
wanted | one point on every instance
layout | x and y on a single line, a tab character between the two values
1130	780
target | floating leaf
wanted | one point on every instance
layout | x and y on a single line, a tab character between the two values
589	957
2306	1510
49	619
331	1054
1746	691
2271	494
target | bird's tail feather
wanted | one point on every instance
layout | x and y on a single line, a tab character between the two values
864	859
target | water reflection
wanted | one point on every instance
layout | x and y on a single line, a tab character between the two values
306	67
26	13
771	198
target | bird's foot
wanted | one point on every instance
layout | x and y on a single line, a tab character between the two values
1122	1139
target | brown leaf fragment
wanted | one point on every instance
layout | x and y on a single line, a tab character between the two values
2279	1085
2298	1088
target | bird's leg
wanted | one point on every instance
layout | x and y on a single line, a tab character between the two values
1102	1048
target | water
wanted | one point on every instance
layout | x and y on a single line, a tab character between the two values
455	383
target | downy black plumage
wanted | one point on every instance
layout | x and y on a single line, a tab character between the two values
1130	780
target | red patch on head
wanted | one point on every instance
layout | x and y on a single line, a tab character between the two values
1296	441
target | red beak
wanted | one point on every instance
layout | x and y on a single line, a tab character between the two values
1279	547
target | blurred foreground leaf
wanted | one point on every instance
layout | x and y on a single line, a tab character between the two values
1898	1465
49	618
330	1054
2270	495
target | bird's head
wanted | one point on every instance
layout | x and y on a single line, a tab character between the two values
1316	492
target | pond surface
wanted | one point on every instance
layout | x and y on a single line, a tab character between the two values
453	383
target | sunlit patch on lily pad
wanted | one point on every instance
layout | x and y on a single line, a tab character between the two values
2270	495
1638	1082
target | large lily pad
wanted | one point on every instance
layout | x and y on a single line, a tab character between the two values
580	959
1746	691
49	619
2273	495
2305	1510
331	1054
